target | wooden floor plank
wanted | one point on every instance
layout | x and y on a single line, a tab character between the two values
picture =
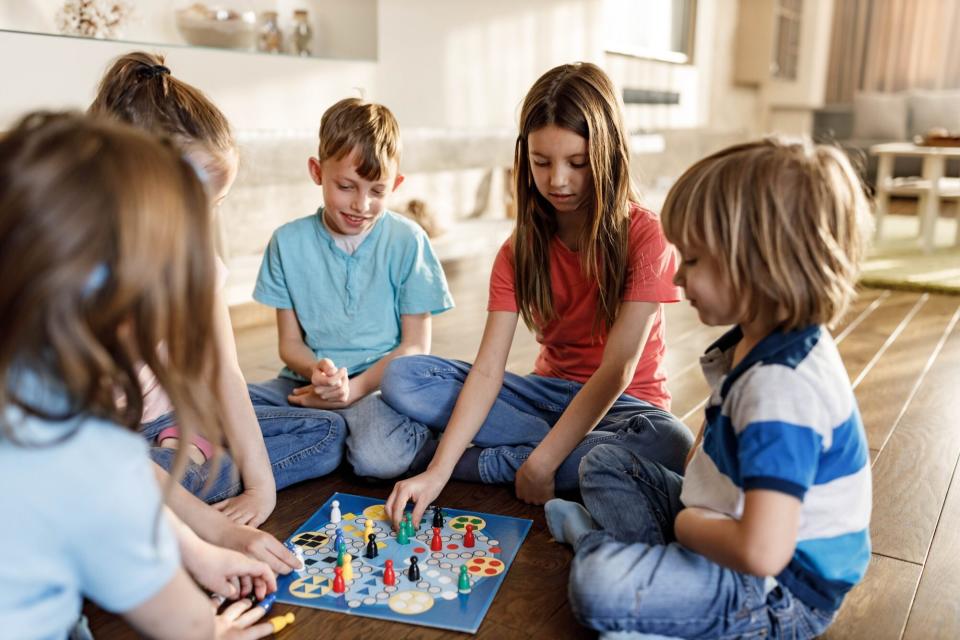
912	473
884	391
936	607
862	344
877	608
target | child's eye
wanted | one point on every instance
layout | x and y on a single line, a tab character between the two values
541	163
344	187
578	165
689	262
377	194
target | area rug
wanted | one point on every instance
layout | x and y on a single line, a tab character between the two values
897	261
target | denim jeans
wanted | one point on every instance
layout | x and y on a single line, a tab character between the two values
301	444
632	575
418	394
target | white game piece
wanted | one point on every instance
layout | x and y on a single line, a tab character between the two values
335	513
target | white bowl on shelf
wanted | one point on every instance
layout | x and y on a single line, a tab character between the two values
218	27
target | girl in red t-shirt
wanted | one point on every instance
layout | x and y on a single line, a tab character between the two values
587	269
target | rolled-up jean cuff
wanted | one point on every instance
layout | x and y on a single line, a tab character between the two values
206	448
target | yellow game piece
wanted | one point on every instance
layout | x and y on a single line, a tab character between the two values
347	567
368	530
281	621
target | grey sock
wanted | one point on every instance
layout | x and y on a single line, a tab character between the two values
568	521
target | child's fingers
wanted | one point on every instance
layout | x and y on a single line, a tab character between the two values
246	585
299	391
258	631
397	502
235	610
250	616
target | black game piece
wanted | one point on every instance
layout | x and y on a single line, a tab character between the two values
414	571
437	517
372	550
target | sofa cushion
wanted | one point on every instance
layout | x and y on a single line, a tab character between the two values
880	115
934	110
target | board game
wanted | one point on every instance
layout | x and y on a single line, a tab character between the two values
437	599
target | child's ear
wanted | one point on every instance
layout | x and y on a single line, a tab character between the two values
398	181
316	172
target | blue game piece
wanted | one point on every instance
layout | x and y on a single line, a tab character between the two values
267	602
338	539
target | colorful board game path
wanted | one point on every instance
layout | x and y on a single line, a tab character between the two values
436	599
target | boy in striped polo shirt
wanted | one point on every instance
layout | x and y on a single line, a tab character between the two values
768	529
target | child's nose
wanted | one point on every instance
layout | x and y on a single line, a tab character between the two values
361	203
558	177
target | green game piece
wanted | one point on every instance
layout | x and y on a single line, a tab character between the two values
410	530
463	582
340	555
402	537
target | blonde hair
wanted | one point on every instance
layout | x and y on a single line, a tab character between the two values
105	247
365	127
139	90
582	99
786	218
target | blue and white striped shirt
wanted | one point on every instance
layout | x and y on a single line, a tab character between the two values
785	419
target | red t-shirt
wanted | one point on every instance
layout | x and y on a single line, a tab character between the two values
568	347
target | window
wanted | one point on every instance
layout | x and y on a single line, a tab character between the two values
787	15
658	29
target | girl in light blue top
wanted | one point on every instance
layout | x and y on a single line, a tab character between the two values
105	250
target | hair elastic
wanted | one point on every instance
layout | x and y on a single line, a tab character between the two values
152	71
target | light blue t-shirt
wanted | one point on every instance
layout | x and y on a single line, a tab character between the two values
349	306
81	518
785	419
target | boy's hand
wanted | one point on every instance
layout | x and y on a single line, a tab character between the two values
329	386
534	483
251	507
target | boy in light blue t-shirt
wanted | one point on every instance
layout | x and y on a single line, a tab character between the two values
354	286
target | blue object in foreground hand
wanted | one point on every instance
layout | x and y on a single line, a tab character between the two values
267	602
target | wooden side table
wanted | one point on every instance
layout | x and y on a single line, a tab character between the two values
930	188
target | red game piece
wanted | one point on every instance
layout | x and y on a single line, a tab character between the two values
468	539
436	544
339	586
389	577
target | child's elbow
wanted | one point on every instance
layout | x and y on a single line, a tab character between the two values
766	558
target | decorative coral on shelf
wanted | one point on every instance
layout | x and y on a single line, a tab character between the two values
93	18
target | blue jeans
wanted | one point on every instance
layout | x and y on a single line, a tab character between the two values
418	394
633	576
301	444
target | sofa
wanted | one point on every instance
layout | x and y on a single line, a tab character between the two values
873	118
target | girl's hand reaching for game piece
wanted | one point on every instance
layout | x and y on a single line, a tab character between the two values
259	545
251	507
534	484
422	489
236	622
228	573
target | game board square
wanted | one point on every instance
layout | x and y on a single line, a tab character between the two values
330	559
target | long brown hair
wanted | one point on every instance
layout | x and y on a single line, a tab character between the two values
106	252
140	90
582	99
788	220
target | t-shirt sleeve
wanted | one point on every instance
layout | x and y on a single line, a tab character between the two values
779	433
503	295
653	262
271	288
125	550
423	288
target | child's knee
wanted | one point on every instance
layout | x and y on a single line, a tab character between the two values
603	459
380	443
401	378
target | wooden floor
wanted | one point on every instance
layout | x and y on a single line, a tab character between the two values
902	352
